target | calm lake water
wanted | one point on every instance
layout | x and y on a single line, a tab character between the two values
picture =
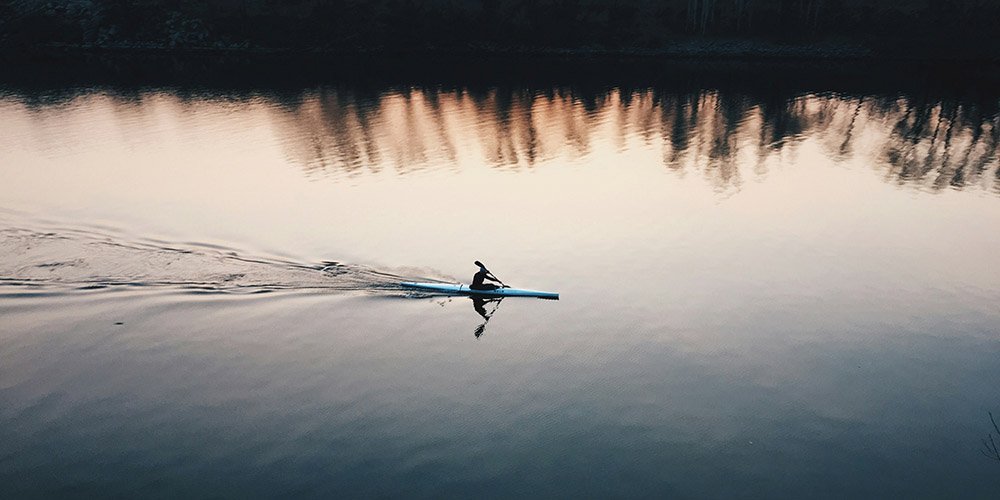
767	290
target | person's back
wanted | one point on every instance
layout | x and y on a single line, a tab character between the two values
480	277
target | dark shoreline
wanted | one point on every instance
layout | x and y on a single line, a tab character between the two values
722	49
60	69
761	30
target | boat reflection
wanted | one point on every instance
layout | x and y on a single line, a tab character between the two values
479	304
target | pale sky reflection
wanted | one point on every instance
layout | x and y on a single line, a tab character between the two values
269	170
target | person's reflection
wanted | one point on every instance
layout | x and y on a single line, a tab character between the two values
479	304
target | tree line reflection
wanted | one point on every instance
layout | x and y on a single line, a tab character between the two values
726	136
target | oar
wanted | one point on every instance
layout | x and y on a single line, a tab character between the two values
498	279
493	275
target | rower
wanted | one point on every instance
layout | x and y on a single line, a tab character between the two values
482	275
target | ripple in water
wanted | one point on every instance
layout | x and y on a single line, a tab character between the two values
88	260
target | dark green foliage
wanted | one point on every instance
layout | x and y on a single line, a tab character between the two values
351	25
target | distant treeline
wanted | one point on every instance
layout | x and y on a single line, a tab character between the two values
490	25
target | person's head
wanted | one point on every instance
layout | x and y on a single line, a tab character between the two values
480	264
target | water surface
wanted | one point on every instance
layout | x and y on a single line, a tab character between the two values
765	291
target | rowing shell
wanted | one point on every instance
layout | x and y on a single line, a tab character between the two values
458	288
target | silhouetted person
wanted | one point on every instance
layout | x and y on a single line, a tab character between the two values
482	275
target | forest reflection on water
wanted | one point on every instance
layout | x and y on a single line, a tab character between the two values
723	127
726	136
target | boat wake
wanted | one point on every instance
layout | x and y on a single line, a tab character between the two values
89	260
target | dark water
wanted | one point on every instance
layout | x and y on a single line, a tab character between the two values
767	290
